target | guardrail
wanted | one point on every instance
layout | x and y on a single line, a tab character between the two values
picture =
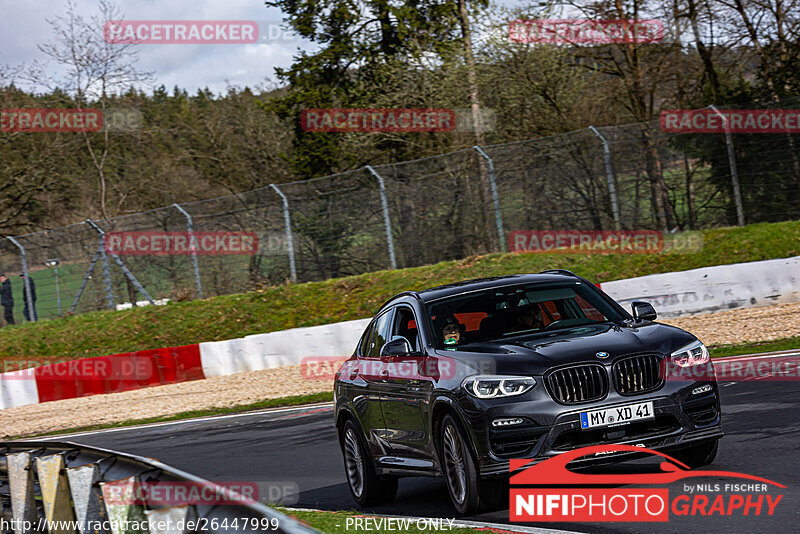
66	488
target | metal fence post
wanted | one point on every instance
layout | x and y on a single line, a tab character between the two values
386	221
26	282
107	274
195	265
117	259
612	186
287	221
495	198
737	192
85	281
53	262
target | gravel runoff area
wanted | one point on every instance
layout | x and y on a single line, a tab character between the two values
726	327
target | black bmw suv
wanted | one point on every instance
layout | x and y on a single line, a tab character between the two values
456	380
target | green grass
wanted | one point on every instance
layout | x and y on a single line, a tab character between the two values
722	351
336	522
289	306
313	398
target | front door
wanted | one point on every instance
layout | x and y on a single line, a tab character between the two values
406	390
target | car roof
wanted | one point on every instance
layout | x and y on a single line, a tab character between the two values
466	286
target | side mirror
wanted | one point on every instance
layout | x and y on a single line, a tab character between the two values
643	311
399	346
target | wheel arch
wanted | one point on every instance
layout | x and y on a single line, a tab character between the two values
442	406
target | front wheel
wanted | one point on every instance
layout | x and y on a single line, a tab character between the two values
366	487
469	493
698	455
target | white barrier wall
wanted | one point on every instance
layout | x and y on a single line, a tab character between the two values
279	349
672	294
18	388
710	289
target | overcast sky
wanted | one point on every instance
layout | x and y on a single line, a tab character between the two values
23	25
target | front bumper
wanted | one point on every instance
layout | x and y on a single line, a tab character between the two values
681	419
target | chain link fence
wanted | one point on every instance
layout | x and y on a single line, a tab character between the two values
629	177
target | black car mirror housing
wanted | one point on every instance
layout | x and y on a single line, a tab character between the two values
643	311
399	346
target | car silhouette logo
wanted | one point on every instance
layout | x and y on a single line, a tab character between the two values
554	470
602	355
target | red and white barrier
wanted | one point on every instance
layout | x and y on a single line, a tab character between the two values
102	374
672	294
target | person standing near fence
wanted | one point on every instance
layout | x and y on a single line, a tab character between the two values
25	312
6	299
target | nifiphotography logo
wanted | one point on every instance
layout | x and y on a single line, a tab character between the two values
574	498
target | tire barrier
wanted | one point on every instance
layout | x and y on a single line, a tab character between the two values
67	488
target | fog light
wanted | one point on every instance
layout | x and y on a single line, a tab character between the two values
508	421
701	389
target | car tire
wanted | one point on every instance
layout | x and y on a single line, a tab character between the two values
469	493
366	487
698	455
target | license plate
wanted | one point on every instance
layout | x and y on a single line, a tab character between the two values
640	411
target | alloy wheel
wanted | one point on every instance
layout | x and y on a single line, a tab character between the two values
354	462
454	463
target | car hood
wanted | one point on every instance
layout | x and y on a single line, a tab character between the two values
535	354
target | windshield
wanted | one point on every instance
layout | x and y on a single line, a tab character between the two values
503	312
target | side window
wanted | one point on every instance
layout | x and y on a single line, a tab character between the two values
406	326
364	343
380	334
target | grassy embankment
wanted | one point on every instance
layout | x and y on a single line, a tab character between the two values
353	297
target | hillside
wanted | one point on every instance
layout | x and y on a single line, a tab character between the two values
289	306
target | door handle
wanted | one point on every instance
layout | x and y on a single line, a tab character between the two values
353	373
384	375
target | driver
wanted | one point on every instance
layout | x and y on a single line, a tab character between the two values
529	317
451	331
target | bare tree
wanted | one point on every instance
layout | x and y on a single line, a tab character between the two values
94	70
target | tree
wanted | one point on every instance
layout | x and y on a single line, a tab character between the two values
357	41
96	70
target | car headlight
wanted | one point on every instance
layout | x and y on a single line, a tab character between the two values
694	353
493	386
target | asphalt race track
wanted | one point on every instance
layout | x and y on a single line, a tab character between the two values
761	421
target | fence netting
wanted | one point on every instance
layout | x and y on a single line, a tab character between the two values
420	212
